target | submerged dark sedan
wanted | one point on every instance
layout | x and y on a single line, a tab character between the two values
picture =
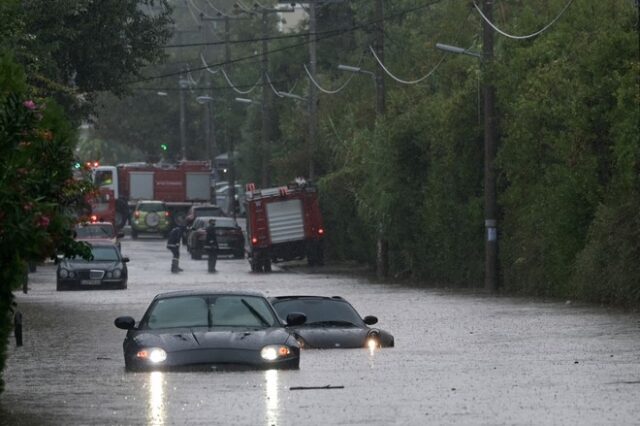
108	268
331	323
213	330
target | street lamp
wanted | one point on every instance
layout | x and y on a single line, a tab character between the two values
458	50
292	96
247	101
358	70
490	204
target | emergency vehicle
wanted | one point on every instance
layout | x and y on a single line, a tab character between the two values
178	185
283	223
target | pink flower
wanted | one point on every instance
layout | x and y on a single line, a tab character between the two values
30	105
43	221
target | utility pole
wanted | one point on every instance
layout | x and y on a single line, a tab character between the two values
313	93
266	104
229	141
382	246
490	205
183	83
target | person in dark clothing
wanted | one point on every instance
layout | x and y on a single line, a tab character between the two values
212	245
173	244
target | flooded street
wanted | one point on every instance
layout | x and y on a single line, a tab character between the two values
458	358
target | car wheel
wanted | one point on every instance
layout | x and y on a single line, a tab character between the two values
134	233
59	286
266	266
123	285
238	255
196	254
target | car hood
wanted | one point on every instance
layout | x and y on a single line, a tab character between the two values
82	264
211	338
332	337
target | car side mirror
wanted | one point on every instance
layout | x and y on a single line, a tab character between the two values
125	323
125	259
296	318
370	320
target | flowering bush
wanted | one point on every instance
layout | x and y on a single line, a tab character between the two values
38	192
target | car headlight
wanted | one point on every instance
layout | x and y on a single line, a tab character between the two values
273	352
72	274
109	274
117	273
63	273
373	340
155	355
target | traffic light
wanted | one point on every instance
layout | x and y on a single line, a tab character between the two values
77	165
164	147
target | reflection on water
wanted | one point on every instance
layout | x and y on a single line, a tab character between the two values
372	347
271	387
156	414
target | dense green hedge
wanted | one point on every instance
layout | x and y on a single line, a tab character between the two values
568	160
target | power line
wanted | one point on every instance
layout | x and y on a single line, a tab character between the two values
409	82
546	27
337	32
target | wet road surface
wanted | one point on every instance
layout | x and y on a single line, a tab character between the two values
459	358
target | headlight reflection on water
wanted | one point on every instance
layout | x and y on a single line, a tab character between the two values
156	413
271	396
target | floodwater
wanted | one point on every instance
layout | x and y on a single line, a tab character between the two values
459	358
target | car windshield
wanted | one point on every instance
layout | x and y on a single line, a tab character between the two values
208	211
319	311
209	311
95	231
151	207
102	254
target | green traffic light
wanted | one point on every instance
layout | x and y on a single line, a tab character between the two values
164	146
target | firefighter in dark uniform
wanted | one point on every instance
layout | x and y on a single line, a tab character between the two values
212	245
173	244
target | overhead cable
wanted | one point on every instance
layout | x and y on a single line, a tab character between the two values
220	12
373	52
525	36
190	4
207	67
294	45
235	88
323	90
277	92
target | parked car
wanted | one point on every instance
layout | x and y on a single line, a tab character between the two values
228	233
107	269
223	198
219	330
150	217
197	210
331	323
98	232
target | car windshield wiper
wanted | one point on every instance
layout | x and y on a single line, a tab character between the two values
255	313
334	323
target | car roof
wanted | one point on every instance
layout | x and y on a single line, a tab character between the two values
218	219
180	293
284	298
94	224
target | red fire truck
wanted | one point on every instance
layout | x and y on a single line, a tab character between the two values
178	185
284	223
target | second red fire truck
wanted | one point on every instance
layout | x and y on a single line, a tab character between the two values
284	223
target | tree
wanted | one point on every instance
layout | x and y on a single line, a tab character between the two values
37	188
73	49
